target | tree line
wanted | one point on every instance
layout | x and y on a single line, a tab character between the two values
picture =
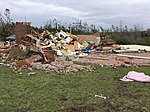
122	34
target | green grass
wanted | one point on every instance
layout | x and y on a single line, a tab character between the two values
74	92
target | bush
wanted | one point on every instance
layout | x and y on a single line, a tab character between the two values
6	30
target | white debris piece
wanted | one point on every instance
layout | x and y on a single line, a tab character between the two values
100	96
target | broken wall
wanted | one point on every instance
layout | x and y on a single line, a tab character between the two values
21	29
82	38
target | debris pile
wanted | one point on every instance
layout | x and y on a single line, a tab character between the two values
49	62
61	51
51	52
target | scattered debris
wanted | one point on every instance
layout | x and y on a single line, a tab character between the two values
32	74
59	51
100	96
115	60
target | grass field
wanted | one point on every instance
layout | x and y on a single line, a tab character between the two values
73	92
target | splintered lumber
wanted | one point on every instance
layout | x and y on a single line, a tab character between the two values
4	47
130	56
31	36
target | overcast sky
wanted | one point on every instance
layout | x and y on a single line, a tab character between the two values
101	12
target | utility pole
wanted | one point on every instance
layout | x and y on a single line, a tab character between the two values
25	19
70	29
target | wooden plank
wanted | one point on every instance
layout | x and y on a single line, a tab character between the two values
31	36
130	56
97	58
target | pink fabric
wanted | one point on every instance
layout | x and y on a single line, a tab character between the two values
126	79
136	76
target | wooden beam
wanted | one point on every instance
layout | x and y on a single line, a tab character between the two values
130	56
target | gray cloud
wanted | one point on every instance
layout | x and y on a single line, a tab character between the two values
101	12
